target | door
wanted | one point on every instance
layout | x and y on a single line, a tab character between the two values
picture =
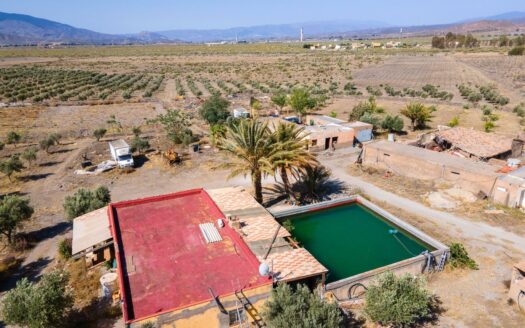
326	143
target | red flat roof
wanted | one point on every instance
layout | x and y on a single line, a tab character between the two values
164	261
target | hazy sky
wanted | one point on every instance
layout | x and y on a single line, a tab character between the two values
129	16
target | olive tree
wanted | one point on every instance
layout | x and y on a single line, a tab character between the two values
29	155
13	138
177	125
38	305
84	201
11	165
392	124
14	211
397	301
280	100
99	133
300	308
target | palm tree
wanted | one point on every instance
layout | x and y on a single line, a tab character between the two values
249	143
289	151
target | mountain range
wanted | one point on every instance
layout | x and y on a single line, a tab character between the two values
18	29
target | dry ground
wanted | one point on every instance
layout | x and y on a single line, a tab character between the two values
52	178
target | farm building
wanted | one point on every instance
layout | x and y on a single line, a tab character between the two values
420	163
509	189
327	132
92	238
470	143
177	263
517	285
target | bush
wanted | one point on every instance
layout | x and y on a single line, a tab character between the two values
13	138
459	257
371	119
38	305
393	124
453	122
84	201
14	211
29	155
363	107
65	248
300	308
99	133
215	109
11	165
517	51
397	301
2	145
139	144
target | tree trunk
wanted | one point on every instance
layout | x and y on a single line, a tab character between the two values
286	181
413	124
257	186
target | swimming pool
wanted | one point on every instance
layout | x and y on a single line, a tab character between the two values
355	239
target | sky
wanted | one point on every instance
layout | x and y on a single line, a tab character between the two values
131	16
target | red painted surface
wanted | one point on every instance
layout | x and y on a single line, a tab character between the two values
163	260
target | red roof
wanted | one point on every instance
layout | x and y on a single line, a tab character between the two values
164	261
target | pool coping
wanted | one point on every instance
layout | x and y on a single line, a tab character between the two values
440	248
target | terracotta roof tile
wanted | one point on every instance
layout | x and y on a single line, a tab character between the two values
480	144
294	264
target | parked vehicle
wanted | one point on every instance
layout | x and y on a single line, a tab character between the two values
121	153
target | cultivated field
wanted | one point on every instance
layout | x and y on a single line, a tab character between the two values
75	91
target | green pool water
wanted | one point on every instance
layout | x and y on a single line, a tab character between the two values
350	239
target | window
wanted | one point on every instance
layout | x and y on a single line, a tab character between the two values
237	316
314	142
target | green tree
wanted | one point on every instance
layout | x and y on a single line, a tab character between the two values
371	119
249	144
301	102
289	151
14	211
177	125
13	138
84	201
218	132
11	165
279	99
300	308
39	305
99	133
29	155
215	109
517	51
397	301
49	141
139	144
364	107
393	124
453	122
418	114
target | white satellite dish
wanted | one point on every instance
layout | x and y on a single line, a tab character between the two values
264	269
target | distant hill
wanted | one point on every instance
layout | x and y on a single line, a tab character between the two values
25	29
17	29
270	32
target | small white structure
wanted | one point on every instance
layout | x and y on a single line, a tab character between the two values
121	153
241	112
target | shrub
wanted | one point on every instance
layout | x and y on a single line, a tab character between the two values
38	305
489	126
333	114
84	201
99	133
393	124
371	119
29	155
363	107
11	165
453	122
215	109
139	144
517	51
397	301
2	145
13	138
177	125
459	257
300	308
65	248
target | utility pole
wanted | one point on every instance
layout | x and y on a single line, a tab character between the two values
302	34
